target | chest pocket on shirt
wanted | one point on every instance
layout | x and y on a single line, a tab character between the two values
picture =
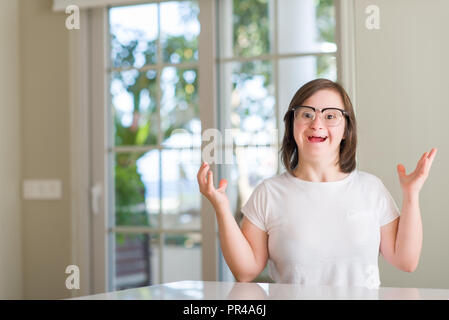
359	225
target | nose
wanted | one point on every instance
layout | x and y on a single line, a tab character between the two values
317	123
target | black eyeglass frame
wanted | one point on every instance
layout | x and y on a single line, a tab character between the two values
294	108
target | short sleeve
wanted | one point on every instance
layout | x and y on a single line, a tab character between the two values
389	210
255	208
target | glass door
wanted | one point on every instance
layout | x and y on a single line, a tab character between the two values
155	143
147	225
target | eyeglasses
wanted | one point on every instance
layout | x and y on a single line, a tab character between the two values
331	116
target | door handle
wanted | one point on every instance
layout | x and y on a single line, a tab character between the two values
96	192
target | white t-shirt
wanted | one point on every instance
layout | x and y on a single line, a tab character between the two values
322	233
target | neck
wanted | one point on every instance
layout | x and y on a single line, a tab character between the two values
319	171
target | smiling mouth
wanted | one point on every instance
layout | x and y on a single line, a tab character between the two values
316	139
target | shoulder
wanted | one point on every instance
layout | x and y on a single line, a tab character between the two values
275	181
370	183
368	178
279	178
268	185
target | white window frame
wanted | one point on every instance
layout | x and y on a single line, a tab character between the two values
79	154
89	229
345	38
89	87
61	5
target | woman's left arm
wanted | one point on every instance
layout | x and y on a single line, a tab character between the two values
401	240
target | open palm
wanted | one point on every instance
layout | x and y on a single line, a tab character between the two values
205	178
413	182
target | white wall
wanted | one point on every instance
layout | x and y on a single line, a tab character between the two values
10	213
402	107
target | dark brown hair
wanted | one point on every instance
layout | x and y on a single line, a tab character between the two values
348	145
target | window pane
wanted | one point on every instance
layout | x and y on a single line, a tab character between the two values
254	164
134	30
247	94
252	101
295	72
136	260
244	27
179	31
137	189
134	107
182	257
327	67
306	26
181	198
179	105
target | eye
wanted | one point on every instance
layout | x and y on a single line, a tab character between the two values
330	115
307	115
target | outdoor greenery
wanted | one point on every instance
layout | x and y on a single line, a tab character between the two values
325	17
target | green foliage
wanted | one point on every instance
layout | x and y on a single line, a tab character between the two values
325	14
251	28
251	36
130	191
178	50
129	195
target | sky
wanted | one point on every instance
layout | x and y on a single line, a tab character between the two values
144	18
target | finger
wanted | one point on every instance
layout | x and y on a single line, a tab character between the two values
401	170
423	157
222	185
420	165
210	180
202	174
429	159
432	154
198	175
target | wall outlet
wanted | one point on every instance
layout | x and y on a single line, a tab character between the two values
42	189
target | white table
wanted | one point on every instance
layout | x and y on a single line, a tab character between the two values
210	290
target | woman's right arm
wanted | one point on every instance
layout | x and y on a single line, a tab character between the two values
245	250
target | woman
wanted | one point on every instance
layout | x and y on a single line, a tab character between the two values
322	222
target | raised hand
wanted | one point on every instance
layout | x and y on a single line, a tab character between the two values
412	183
205	178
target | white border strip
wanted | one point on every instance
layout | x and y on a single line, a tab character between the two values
61	5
